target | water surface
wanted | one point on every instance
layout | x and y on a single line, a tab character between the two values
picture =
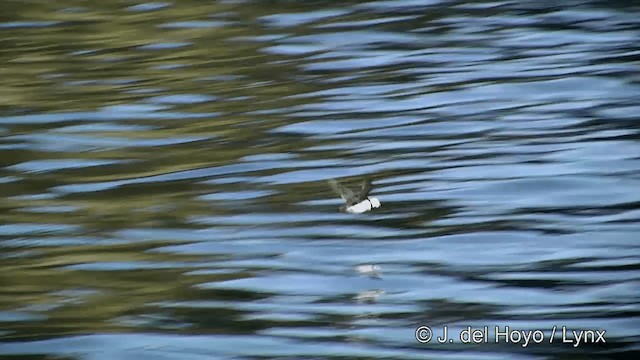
164	167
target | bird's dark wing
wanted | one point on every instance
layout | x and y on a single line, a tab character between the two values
366	189
345	193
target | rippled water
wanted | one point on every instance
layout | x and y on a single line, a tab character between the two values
163	174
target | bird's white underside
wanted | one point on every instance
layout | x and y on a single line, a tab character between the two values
364	206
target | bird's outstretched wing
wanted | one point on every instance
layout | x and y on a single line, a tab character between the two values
345	193
366	189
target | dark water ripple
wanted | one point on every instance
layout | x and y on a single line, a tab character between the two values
163	172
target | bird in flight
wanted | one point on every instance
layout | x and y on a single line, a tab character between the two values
355	203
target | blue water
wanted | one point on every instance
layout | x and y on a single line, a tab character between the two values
164	167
